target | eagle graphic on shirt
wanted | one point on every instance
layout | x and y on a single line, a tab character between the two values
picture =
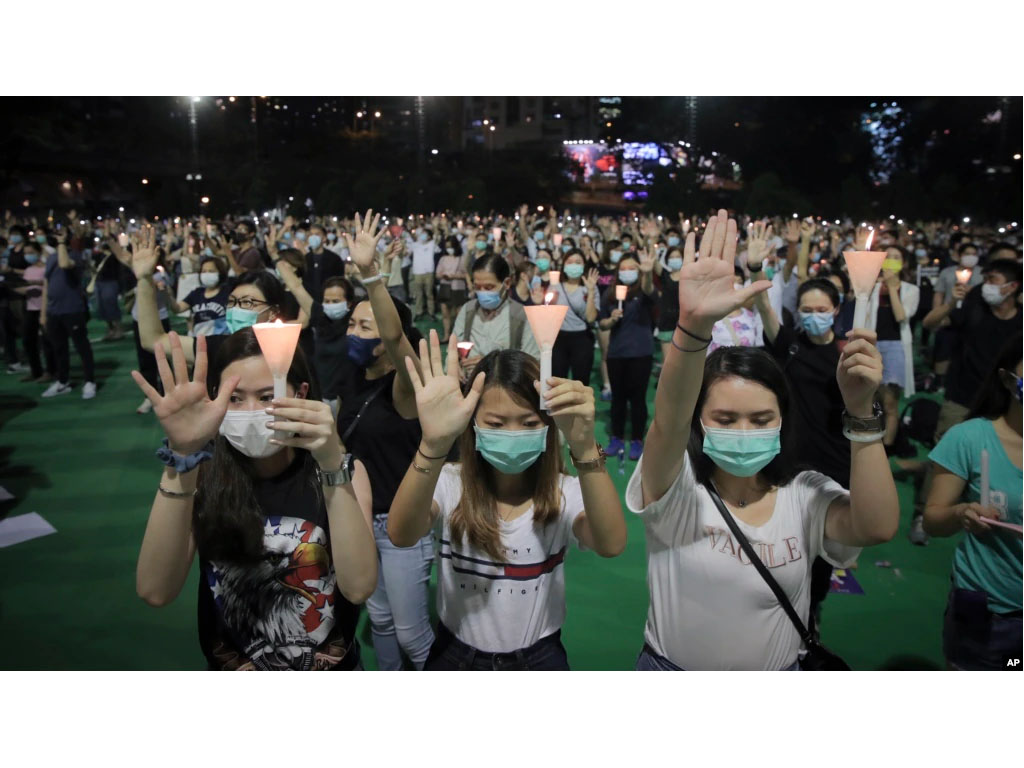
280	608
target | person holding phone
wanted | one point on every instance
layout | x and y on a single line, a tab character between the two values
982	626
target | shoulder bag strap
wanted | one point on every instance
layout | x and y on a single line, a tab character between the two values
787	606
362	410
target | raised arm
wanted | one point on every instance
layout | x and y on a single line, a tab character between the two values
295	287
444	415
706	294
590	281
190	420
758	249
792	236
646	272
872	513
363	248
151	331
64	260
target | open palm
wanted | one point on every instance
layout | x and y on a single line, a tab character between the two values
443	410
189	418
363	247
144	253
706	292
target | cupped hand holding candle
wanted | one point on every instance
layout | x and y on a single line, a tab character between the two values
963	276
620	293
545	322
863	267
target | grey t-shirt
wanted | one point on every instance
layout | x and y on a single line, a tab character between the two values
577	301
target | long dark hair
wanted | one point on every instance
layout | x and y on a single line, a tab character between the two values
273	291
226	517
476	516
755	365
993	398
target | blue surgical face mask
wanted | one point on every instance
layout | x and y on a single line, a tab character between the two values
574	271
337	310
480	245
238	318
543	264
40	239
315	241
286	236
816	257
816	323
331	237
628	276
616	256
300	235
673	241
511	451
566	248
31	258
742	452
538	236
489	299
207	251
15	239
675	264
360	350
422	237
535	281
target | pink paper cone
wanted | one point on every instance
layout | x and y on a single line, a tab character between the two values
864	267
277	341
545	322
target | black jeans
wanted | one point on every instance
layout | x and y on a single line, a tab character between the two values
449	654
573	350
629	377
147	360
32	340
11	318
975	639
62	327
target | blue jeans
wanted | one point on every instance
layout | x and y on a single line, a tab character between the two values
450	654
973	638
649	661
399	608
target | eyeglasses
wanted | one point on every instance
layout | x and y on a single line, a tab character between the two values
245	303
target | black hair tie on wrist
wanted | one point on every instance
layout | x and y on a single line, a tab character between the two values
693	335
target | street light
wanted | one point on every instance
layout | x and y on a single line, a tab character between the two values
145	181
204	200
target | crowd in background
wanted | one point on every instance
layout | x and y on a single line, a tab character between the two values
944	317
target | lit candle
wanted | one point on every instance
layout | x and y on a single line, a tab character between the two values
545	322
464	347
554	277
984	479
557	239
863	267
962	277
620	294
497	234
277	342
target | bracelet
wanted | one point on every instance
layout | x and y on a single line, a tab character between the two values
430	458
699	349
373	279
874	437
693	335
175	494
421	470
182	464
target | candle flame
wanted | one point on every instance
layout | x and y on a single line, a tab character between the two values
549	297
871	235
278	322
963	275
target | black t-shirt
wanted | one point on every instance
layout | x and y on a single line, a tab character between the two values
333	368
631	336
284	611
319	267
886	326
209	315
816	405
382	440
978	337
111	270
668	303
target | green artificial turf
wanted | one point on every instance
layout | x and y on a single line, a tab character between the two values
67	601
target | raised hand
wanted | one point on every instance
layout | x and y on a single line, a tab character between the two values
859	373
363	248
646	261
144	253
758	243
860	238
272	239
443	410
806	230
310	425
571	405
706	292
792	231
590	281
189	418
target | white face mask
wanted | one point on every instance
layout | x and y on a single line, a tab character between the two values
247	432
968	261
992	294
209	279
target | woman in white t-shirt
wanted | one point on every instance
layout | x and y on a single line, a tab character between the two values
724	425
506	515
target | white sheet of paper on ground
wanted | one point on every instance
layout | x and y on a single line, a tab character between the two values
5	495
15	530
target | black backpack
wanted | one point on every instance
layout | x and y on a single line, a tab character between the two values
918	422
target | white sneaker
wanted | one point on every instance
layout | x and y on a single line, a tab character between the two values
89	390
17	368
57	388
146	407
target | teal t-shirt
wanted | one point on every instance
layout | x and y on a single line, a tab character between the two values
991	562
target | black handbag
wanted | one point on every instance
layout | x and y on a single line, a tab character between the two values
818	658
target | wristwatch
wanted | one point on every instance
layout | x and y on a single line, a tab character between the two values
593	465
752	268
341	476
876	423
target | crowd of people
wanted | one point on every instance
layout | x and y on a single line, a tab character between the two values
776	430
